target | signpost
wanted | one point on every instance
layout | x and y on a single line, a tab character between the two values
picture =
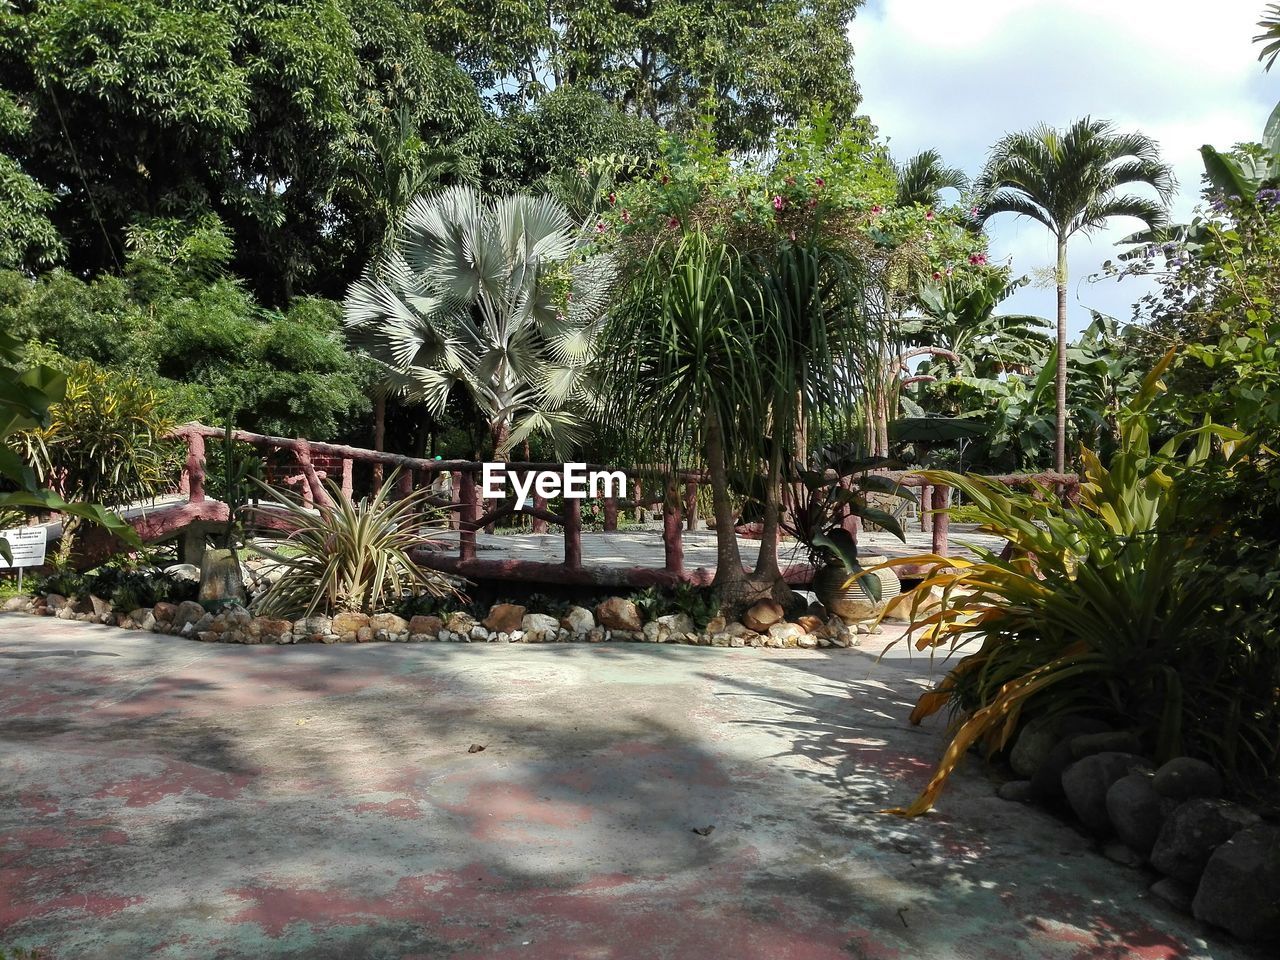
27	544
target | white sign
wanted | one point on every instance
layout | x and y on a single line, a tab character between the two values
574	482
27	545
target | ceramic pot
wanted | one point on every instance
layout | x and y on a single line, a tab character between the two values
851	602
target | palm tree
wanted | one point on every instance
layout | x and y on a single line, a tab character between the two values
1070	181
1270	35
488	296
924	176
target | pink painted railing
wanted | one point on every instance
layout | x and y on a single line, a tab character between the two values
676	494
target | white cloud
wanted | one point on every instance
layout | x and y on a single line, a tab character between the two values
957	76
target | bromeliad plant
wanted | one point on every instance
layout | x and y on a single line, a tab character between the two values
349	555
1100	608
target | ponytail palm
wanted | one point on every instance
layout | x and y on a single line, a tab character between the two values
1074	181
488	296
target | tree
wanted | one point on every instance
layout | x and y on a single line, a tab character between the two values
490	297
761	63
1070	181
922	178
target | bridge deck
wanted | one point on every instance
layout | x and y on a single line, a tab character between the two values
621	549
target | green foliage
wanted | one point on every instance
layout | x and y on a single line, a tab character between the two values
1112	608
27	394
350	555
204	345
104	440
491	299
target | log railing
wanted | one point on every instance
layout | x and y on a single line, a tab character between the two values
675	493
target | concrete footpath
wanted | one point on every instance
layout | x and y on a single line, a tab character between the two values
163	798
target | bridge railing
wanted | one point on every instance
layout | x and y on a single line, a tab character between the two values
457	485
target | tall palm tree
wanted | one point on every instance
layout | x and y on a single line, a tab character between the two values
488	296
1071	181
924	176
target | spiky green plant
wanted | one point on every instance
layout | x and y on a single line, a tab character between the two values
1101	608
353	555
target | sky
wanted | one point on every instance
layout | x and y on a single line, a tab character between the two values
957	76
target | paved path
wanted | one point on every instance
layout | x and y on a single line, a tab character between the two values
161	798
643	548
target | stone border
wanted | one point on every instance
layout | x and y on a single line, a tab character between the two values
614	620
1214	859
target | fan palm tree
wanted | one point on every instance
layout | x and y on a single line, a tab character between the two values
1270	35
1071	181
488	296
924	176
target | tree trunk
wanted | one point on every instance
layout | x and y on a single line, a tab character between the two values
728	557
767	560
1060	393
379	434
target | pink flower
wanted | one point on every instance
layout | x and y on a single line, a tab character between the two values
600	227
813	202
877	210
613	198
929	215
793	236
978	259
973	212
937	275
626	216
778	202
672	222
818	181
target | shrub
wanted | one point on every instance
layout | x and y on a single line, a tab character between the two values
351	555
1111	608
105	439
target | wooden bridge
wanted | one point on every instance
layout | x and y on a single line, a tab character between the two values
612	556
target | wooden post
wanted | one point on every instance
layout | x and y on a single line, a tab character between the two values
691	504
455	495
539	503
467	521
404	486
573	533
672	541
347	484
926	504
610	514
941	521
193	476
639	495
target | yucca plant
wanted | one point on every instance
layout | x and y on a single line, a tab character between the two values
1100	607
353	555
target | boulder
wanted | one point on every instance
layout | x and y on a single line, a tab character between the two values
348	623
788	634
270	630
763	615
539	628
504	617
1046	781
578	619
619	614
163	613
460	623
1240	888
101	609
806	641
312	629
1015	791
1085	784
425	624
1031	748
1193	832
717	624
673	627
1173	892
186	572
1137	812
385	623
16	604
479	634
1185	778
1109	741
188	612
